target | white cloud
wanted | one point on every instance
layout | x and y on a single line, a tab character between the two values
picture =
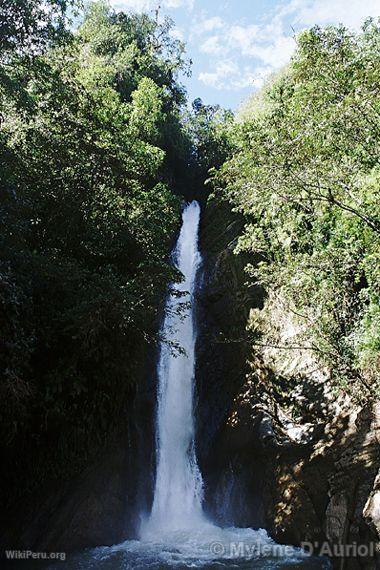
261	74
350	13
242	37
149	5
213	46
135	5
229	76
263	47
243	54
208	25
178	4
253	41
276	54
223	71
177	33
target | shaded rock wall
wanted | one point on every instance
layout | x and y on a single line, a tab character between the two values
277	448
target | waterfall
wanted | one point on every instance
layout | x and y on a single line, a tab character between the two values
177	532
177	500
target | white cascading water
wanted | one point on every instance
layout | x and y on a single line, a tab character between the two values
178	491
177	531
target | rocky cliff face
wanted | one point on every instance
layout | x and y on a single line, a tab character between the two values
278	447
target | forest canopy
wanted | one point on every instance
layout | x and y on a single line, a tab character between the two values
305	176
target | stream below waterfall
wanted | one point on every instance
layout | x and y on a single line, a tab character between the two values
177	533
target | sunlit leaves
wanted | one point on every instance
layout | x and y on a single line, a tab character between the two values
306	178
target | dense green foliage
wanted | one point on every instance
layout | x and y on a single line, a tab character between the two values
90	134
209	130
27	26
95	141
306	177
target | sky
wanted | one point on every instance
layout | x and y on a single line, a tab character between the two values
236	44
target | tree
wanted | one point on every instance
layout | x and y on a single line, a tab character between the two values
27	26
88	215
305	176
208	129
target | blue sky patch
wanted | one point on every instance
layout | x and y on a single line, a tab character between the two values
235	45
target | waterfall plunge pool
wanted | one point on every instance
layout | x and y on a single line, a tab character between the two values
211	548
